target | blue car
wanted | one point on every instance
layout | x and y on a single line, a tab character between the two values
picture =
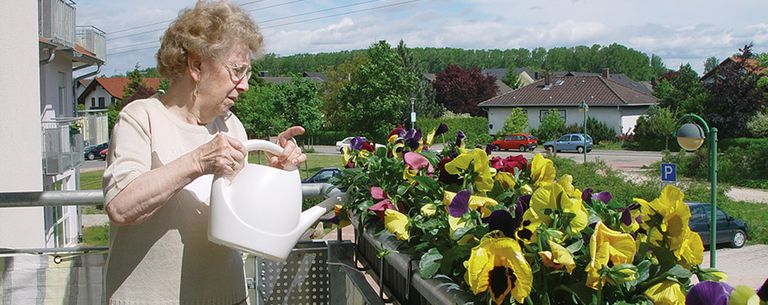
729	230
569	142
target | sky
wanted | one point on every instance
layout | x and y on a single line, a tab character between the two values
678	31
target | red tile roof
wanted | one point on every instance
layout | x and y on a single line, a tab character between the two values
570	91
115	85
751	64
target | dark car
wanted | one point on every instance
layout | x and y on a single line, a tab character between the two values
91	152
518	141
322	175
729	230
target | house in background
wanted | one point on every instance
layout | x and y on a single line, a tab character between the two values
609	101
752	65
524	75
102	92
63	49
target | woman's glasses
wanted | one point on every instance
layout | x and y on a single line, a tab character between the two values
238	72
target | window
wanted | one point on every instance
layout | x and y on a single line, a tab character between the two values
698	215
543	112
721	216
101	102
93	102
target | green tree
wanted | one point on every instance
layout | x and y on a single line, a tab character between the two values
516	122
682	93
658	123
377	93
256	109
551	125
299	103
423	93
710	64
337	78
758	125
135	80
512	79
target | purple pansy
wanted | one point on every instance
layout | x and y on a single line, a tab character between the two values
605	197
459	137
762	292
356	143
441	129
460	203
501	220
586	195
626	215
413	139
709	293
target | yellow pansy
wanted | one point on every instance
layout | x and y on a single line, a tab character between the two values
691	252
475	202
566	181
397	223
479	160
526	190
607	248
428	210
666	293
557	257
507	180
744	295
553	199
542	171
498	263
666	216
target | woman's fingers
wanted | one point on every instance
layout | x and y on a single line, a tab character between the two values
222	156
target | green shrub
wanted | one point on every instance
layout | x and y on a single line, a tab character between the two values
551	126
737	165
323	137
599	131
725	144
758	125
475	129
516	122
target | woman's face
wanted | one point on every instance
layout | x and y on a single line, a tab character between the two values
222	81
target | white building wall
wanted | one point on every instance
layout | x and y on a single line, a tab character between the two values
93	98
20	157
56	86
611	116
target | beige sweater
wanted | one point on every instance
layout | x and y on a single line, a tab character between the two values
167	259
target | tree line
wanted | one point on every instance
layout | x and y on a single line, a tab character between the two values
620	59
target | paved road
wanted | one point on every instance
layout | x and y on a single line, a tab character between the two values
745	266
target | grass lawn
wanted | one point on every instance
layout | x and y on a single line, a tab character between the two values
96	235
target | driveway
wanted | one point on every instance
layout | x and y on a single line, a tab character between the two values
745	266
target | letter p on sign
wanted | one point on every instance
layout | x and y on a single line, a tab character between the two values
668	172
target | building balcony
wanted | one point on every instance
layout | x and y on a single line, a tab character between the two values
93	40
56	21
62	146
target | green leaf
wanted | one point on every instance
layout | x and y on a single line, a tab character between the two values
427	184
679	272
576	246
430	263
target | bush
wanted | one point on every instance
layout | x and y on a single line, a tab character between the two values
475	129
737	165
516	122
551	126
758	125
323	137
598	130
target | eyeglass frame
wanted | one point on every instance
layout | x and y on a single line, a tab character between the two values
230	66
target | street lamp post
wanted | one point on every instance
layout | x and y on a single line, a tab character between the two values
691	136
583	108
413	114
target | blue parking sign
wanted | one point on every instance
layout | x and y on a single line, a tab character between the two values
668	172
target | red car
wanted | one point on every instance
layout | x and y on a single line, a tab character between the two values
518	141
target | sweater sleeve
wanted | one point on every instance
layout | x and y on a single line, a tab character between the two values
130	151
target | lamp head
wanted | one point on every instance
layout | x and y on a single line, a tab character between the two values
690	136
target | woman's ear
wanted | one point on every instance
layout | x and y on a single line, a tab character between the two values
194	65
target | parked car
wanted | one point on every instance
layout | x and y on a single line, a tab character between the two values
345	143
103	153
518	141
571	141
729	230
322	175
91	152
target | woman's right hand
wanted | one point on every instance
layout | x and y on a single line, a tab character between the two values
222	156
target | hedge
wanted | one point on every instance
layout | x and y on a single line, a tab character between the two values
475	129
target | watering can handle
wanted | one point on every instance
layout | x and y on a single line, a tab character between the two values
251	145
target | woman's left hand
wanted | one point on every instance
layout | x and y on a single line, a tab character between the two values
292	155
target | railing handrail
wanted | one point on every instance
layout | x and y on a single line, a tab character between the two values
96	197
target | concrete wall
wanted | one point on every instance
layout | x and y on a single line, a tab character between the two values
56	85
620	119
20	157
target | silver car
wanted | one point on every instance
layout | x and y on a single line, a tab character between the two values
571	142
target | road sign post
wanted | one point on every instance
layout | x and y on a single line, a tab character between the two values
668	172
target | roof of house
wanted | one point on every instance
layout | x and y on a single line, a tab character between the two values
617	77
751	64
115	85
319	75
570	91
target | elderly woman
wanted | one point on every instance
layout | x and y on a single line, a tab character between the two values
163	156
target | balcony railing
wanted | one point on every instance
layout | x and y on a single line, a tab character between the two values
56	21
62	148
93	39
314	273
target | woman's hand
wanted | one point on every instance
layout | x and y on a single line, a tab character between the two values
292	155
223	156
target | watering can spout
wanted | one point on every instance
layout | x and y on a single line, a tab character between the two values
259	210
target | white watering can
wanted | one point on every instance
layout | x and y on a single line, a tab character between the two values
259	211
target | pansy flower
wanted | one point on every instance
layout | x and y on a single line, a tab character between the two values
380	207
607	248
478	160
709	293
456	202
744	295
498	265
506	180
631	218
396	133
413	163
397	223
552	201
434	133
412	140
542	171
445	176
666	293
460	139
558	257
666	216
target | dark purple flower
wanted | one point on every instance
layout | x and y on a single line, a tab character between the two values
459	138
356	143
586	195
488	149
709	293
605	197
626	215
413	139
399	131
459	204
762	292
444	176
501	220
441	129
